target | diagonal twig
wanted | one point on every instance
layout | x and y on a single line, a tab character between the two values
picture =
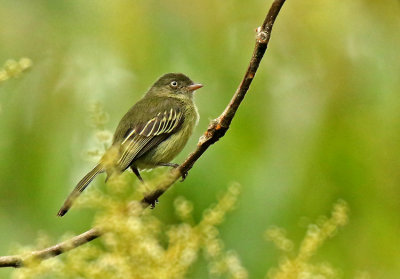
216	130
218	127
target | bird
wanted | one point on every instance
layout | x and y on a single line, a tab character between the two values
150	134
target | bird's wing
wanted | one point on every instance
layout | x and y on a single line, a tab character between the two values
144	136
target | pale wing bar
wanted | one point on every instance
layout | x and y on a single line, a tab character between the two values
163	123
137	139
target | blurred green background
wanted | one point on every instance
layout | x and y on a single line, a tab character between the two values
321	120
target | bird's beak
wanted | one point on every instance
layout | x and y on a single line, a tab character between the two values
195	86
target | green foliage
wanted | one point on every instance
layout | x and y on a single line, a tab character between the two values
299	265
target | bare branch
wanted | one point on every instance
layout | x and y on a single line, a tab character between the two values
216	130
17	261
218	127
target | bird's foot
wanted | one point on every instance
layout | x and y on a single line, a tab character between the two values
153	204
173	165
184	175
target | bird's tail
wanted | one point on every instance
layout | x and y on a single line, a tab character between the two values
79	189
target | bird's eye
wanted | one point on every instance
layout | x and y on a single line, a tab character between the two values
174	84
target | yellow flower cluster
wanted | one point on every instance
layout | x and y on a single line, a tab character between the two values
299	266
138	245
12	68
98	119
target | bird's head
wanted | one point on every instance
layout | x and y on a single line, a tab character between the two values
174	85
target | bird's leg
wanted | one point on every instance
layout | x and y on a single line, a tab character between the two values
173	165
136	172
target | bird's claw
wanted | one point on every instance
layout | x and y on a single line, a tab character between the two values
153	203
175	166
184	175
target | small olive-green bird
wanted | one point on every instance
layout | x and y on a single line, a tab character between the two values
150	134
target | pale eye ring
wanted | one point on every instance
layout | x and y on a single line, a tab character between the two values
174	84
